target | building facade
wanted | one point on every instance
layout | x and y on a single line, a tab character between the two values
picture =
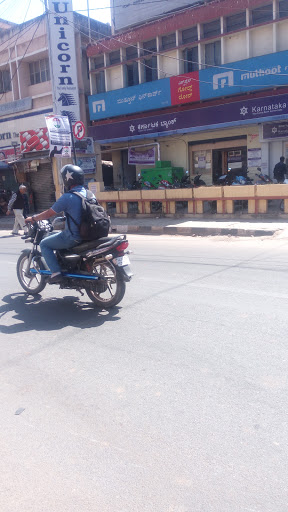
26	96
207	85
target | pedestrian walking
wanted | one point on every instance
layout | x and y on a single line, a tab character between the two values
280	170
17	204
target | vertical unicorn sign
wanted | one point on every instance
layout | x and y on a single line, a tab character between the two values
63	59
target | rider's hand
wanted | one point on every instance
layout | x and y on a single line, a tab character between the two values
8	212
28	219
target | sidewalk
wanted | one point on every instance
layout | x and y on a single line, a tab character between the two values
189	227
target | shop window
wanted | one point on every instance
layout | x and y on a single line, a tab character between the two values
189	35
5	81
190	56
150	69
169	41
211	29
201	161
213	53
236	22
131	52
99	62
100	82
155	207
149	47
133	207
114	57
181	207
39	71
111	208
262	14
132	74
283	8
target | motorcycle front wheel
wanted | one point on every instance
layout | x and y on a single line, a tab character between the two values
31	283
109	291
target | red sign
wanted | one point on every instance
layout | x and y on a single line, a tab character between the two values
79	130
34	140
9	154
185	88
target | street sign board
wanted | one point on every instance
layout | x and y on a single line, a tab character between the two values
79	130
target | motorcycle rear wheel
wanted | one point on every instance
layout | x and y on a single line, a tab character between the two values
109	292
31	283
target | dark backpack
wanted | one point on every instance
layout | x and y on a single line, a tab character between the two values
95	223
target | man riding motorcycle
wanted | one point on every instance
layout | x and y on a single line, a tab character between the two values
71	205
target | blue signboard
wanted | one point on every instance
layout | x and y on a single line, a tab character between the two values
138	98
245	75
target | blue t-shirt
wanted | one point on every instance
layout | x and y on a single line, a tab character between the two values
71	204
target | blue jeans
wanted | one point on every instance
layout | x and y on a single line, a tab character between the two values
62	240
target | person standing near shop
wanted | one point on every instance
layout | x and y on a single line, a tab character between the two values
280	170
17	204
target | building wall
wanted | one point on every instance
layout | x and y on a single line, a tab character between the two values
261	41
235	47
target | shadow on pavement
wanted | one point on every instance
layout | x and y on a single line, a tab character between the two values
37	314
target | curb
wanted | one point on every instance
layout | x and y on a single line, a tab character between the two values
191	231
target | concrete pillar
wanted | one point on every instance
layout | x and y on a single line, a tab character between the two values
117	168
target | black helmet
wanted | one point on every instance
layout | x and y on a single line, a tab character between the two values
72	175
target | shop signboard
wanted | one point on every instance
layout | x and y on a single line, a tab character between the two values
88	164
185	88
59	135
34	140
141	156
235	112
138	98
8	154
63	59
84	146
243	76
275	130
13	107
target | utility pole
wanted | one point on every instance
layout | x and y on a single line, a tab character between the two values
89	21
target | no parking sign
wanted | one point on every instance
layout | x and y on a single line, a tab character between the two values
79	130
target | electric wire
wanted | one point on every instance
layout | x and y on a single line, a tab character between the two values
222	67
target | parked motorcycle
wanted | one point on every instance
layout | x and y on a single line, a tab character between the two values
100	267
263	177
198	182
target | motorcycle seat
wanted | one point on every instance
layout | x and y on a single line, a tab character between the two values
100	243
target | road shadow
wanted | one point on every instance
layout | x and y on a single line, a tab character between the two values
32	313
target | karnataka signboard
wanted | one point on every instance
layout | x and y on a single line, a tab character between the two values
257	109
138	98
63	59
59	135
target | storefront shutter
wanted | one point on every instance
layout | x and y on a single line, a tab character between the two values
42	187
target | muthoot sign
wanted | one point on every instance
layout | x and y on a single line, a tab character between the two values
63	59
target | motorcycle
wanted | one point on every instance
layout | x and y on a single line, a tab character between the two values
198	182
100	267
263	177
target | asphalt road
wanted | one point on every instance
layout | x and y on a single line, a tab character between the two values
176	401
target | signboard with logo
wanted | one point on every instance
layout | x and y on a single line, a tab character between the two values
34	140
142	156
275	130
243	76
255	110
138	98
63	59
185	88
59	135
